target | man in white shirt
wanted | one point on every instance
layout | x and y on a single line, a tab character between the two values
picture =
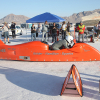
63	30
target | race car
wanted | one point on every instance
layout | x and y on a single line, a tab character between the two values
39	51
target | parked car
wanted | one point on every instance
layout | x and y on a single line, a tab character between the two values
1	27
18	30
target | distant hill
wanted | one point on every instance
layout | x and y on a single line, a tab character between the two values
77	17
16	18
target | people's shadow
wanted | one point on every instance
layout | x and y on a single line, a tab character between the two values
46	84
33	81
91	81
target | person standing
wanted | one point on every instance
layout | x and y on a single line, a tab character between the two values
33	32
6	33
45	31
95	30
63	30
98	32
68	27
39	26
38	30
13	30
54	33
81	29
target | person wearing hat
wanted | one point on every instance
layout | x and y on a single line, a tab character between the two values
6	33
13	29
81	29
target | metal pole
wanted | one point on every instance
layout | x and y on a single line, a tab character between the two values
74	35
58	32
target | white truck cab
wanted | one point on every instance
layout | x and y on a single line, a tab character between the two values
18	30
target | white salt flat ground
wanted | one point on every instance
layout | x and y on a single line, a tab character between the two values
21	80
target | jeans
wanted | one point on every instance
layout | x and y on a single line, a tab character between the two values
13	34
54	37
79	36
44	33
33	35
63	34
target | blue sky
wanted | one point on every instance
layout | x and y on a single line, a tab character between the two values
31	8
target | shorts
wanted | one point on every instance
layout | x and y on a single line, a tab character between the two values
6	34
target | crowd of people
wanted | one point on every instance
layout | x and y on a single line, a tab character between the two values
53	31
47	29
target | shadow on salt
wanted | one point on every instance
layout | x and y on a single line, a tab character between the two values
44	83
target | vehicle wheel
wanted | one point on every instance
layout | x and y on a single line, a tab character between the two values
20	33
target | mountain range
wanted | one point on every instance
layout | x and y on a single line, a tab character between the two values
14	18
76	17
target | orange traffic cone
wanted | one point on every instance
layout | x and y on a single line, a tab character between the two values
74	40
57	38
91	39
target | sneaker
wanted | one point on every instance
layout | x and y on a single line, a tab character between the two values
8	42
4	42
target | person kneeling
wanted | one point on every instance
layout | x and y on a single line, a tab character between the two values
67	43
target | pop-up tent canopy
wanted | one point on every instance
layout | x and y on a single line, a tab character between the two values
45	17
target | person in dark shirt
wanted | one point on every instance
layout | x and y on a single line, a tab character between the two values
39	26
54	33
68	27
33	32
13	30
